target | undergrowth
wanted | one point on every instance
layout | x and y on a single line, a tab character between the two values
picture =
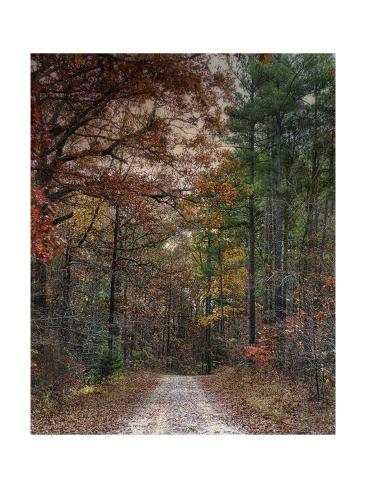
286	406
91	409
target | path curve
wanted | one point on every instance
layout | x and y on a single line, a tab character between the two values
179	405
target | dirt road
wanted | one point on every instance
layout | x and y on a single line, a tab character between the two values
178	405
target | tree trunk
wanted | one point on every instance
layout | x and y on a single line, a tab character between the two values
65	336
168	333
125	318
208	308
278	223
285	289
324	233
208	338
268	271
251	263
221	298
112	298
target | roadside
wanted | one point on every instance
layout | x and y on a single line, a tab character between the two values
231	401
265	404
94	409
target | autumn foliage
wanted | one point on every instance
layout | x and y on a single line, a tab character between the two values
94	116
45	241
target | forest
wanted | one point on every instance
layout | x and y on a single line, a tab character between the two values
183	241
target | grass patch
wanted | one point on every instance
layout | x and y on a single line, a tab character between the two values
89	390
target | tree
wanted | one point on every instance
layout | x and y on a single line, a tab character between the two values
113	127
91	113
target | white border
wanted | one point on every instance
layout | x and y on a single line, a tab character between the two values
190	26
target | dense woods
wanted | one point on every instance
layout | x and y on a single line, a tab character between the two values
183	218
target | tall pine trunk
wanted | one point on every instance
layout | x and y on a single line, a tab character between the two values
285	289
251	264
278	223
268	272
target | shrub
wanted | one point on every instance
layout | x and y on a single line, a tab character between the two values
108	363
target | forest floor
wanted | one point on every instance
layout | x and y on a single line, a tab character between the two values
97	409
232	401
270	403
